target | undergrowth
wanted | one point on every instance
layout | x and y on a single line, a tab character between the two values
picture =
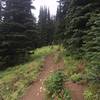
55	87
80	70
15	80
73	68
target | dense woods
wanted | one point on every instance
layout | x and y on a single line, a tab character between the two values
76	26
81	35
17	30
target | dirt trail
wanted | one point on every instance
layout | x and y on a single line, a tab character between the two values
76	90
36	91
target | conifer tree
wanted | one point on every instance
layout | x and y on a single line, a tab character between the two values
92	47
76	21
60	19
82	36
18	30
0	9
46	26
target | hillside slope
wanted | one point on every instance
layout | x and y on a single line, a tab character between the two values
15	80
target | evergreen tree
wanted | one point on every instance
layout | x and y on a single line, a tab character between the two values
92	47
76	20
82	34
18	30
0	10
60	19
46	26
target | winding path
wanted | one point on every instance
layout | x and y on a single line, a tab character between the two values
36	90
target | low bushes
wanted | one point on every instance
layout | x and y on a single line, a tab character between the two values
55	87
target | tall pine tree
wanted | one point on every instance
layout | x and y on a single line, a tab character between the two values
46	26
60	19
76	23
18	29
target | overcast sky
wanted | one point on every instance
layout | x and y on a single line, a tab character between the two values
52	4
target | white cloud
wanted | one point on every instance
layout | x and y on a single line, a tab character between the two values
52	4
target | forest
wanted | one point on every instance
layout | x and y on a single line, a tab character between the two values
54	57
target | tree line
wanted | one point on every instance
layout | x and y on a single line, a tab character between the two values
78	23
16	26
46	25
19	31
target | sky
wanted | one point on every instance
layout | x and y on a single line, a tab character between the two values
52	4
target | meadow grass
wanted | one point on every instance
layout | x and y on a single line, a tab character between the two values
15	80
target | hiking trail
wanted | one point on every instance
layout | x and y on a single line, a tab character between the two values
37	91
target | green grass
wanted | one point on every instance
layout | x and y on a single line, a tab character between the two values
54	86
92	92
73	68
70	65
14	81
70	62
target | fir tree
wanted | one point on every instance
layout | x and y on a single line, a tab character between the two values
60	19
92	47
18	30
76	20
46	26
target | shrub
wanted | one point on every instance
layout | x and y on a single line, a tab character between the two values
55	86
88	95
76	77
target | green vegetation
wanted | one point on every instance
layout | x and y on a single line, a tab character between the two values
92	92
76	78
73	68
70	65
15	80
80	35
55	87
78	71
17	31
88	95
76	26
46	26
